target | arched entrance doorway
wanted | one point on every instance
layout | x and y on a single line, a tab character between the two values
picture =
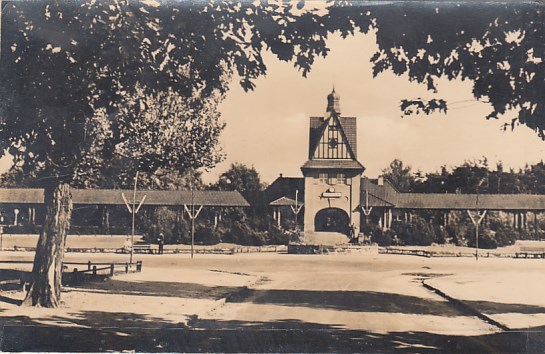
332	220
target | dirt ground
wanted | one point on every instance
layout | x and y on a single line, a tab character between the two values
265	302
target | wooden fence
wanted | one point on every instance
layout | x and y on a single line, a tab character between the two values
85	271
482	253
110	269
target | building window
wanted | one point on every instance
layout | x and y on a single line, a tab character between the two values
333	178
323	178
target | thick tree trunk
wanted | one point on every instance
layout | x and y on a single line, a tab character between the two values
45	289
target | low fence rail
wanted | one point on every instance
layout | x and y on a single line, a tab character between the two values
523	253
153	249
86	271
111	268
410	252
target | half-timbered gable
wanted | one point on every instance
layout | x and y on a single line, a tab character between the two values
332	141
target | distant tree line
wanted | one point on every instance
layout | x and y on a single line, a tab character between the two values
468	177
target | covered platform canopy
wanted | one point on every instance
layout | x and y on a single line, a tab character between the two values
385	196
115	197
498	202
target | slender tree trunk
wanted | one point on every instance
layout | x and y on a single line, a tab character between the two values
106	218
45	289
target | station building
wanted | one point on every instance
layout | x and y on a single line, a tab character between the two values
334	197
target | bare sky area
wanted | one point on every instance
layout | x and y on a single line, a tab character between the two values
268	128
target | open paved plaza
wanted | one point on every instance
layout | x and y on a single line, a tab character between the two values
288	303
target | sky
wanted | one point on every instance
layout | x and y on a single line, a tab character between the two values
268	128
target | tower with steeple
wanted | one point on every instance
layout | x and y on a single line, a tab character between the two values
332	172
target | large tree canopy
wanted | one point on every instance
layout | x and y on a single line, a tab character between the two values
498	46
65	61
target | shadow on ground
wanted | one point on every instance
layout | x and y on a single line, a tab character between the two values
95	331
494	308
157	288
116	332
358	301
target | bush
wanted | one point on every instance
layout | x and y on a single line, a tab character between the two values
278	236
243	234
441	235
207	236
22	229
167	221
381	237
487	239
506	236
457	233
416	232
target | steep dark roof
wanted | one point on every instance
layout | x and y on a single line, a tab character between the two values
381	195
350	130
114	197
371	200
285	187
317	126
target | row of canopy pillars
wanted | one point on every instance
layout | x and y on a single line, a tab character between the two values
277	213
29	214
7	220
519	218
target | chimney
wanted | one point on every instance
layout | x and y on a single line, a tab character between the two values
380	181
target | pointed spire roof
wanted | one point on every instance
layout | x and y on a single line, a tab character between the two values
333	102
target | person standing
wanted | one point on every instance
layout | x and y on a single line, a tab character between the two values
161	242
353	232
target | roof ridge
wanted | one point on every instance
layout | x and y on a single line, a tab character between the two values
379	198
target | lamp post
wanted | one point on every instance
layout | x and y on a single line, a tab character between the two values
193	213
133	209
296	209
133	212
1	229
479	219
477	226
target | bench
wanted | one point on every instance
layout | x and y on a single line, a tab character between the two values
148	248
531	252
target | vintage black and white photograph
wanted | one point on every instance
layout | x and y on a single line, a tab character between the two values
272	176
